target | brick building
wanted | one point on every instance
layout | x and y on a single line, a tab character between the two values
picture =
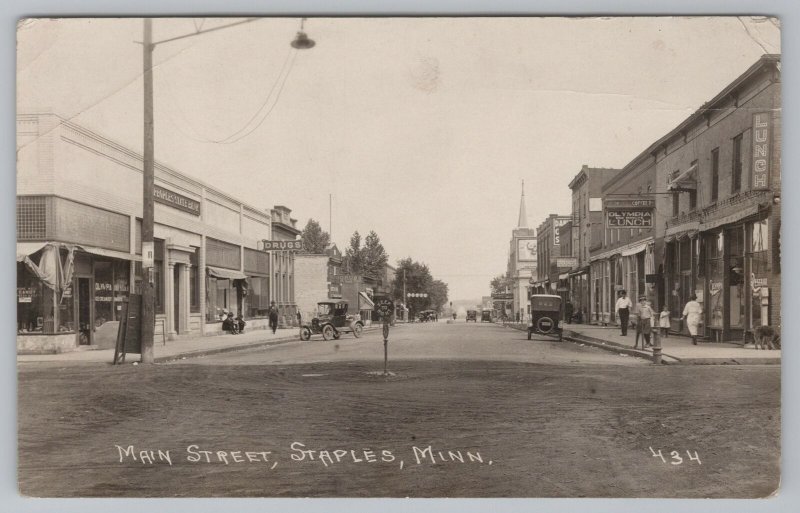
549	265
586	231
722	166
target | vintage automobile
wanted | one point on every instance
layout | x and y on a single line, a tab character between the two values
545	315
486	316
472	315
331	321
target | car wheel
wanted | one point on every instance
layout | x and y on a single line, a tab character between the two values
305	334
328	332
357	329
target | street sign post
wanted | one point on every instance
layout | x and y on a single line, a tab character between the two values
385	308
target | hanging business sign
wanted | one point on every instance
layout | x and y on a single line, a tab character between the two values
762	137
629	213
282	245
175	200
558	223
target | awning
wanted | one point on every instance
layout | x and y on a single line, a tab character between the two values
563	276
108	253
682	230
364	302
635	249
684	180
582	270
225	274
732	218
25	249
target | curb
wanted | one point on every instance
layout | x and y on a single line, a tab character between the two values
615	348
233	348
667	358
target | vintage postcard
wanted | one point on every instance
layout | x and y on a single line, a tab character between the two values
399	257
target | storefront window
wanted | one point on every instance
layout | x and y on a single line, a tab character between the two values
736	276
35	312
103	293
257	296
715	275
759	270
66	321
121	286
221	296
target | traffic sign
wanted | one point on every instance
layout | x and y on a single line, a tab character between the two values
385	307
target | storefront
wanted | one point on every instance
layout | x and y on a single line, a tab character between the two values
79	245
578	283
68	297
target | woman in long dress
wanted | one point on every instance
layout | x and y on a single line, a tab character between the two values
692	313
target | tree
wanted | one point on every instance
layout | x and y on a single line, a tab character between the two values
437	295
501	284
373	255
314	238
354	255
418	279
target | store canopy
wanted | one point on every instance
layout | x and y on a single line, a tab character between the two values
635	249
686	180
225	274
563	276
108	253
364	302
732	218
26	249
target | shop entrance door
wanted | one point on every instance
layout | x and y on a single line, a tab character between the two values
85	308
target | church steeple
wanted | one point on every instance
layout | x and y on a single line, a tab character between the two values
523	215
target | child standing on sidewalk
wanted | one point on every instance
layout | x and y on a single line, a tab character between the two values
663	322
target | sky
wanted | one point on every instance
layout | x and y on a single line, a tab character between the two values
421	129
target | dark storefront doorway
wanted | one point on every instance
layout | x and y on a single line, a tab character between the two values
176	292
84	309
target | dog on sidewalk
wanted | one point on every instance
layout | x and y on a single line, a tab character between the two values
767	338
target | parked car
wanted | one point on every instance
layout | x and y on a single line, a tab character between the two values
545	315
486	316
331	321
472	315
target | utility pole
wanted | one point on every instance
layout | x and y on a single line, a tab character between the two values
147	314
405	298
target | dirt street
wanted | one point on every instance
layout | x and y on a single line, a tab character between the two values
211	427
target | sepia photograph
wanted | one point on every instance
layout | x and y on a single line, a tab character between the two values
391	257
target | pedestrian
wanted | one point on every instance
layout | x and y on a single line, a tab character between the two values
273	317
645	322
569	310
692	312
663	321
240	324
299	319
230	325
623	308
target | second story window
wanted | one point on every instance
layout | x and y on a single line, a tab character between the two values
714	174
675	205
693	192
736	178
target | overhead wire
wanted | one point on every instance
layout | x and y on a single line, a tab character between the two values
280	81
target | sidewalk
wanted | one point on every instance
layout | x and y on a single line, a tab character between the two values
675	349
183	347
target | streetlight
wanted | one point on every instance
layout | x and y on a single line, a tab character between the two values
147	316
